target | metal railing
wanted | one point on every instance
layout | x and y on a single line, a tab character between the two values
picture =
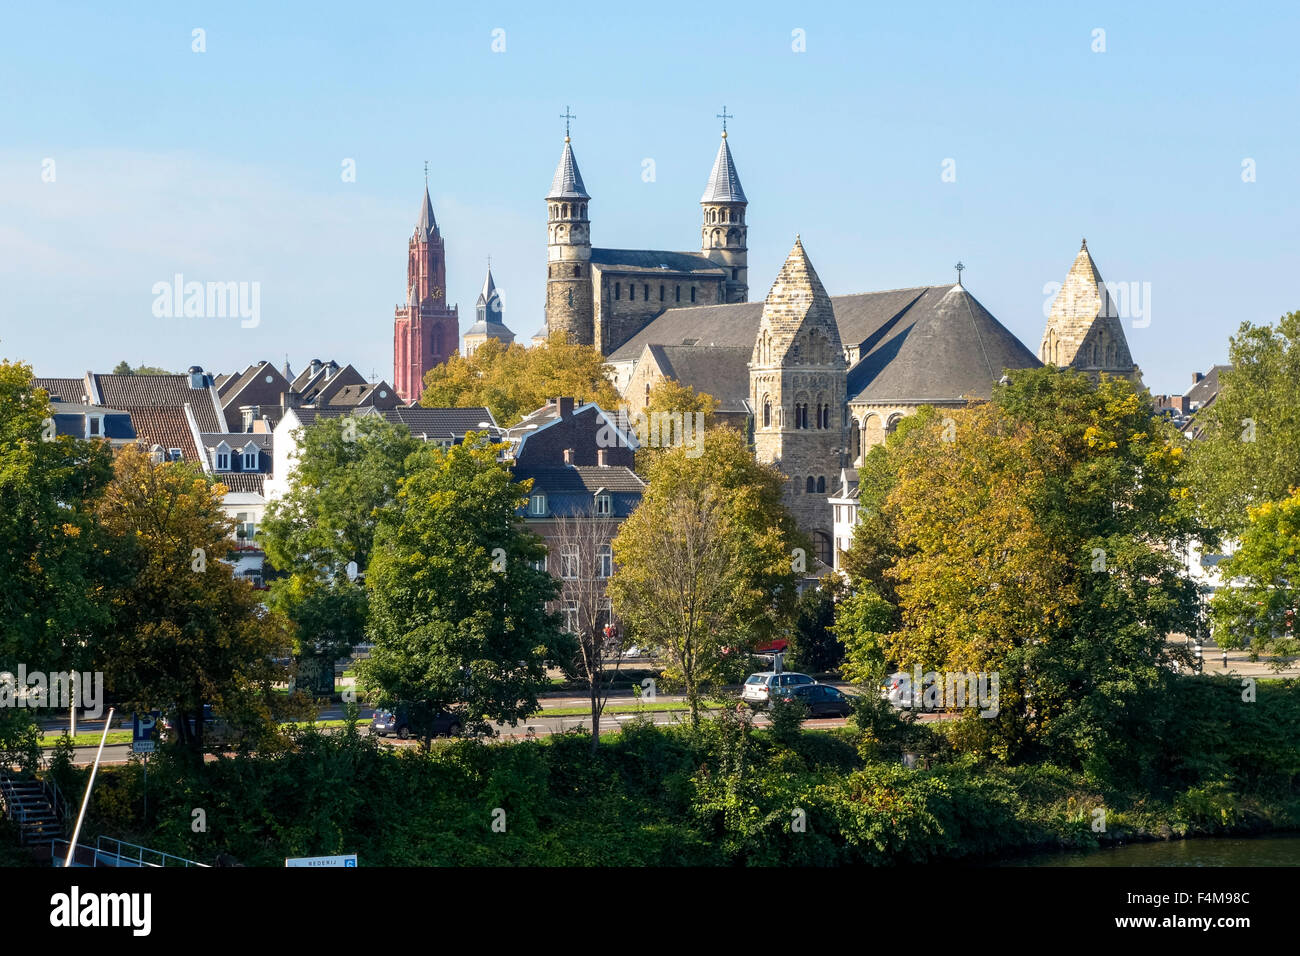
122	853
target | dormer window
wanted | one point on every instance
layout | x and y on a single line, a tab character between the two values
223	457
94	426
250	458
537	505
174	454
603	504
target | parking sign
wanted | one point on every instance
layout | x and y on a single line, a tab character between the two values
144	732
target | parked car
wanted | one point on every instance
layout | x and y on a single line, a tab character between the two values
397	722
821	700
898	689
759	688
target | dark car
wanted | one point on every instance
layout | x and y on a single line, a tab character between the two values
822	700
397	722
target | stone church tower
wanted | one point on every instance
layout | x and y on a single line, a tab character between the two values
723	234
1085	330
797	386
425	331
569	301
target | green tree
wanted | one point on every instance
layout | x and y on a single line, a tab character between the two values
1251	431
669	397
186	631
704	564
53	571
1259	604
1031	539
124	368
814	646
458	601
347	474
512	380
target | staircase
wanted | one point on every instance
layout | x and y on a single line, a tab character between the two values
34	806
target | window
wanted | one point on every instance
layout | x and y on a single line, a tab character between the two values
223	460
174	454
767	414
826	416
539	564
605	561
570	566
571	616
735	274
661	293
603	505
537	504
812	485
250	459
94	426
646	291
577	271
679	294
692	293
821	485
618	291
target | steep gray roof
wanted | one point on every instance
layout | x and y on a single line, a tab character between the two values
62	389
734	325
642	259
724	181
426	224
567	183
943	347
436	423
721	371
489	288
1204	392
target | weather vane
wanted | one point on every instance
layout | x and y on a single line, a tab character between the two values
426	172
959	267
566	116
724	116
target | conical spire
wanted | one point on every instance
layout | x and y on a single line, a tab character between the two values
724	181
567	183
1084	328
489	289
426	225
796	303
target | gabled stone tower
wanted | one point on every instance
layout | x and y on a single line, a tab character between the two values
569	303
723	236
797	382
1085	330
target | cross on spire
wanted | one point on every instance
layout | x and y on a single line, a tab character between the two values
426	172
724	116
566	116
959	267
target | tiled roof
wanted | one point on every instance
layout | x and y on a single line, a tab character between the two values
569	490
722	371
236	440
167	426
246	482
724	181
643	259
567	182
144	391
438	423
64	389
1204	392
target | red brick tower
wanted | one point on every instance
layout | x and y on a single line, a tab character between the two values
425	331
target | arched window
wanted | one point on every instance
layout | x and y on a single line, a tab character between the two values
812	485
826	416
661	292
821	485
577	271
566	210
618	291
767	414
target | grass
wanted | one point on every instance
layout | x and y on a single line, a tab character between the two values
655	708
88	740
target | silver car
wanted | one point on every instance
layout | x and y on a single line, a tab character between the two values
760	688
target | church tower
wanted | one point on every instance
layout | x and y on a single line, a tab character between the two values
425	331
1085	330
723	233
797	384
488	319
570	306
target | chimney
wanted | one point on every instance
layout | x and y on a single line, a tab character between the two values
602	457
315	366
1197	376
197	377
565	405
568	456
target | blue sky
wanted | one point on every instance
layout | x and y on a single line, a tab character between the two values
225	165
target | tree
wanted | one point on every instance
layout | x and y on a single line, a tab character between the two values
457	594
53	570
813	644
671	398
1259	604
581	546
1031	539
124	368
186	632
347	474
1251	431
512	380
704	567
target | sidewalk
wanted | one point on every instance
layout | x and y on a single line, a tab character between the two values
1239	662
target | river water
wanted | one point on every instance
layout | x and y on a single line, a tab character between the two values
1211	851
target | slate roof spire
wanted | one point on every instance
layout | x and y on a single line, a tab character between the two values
724	181
426	225
567	183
